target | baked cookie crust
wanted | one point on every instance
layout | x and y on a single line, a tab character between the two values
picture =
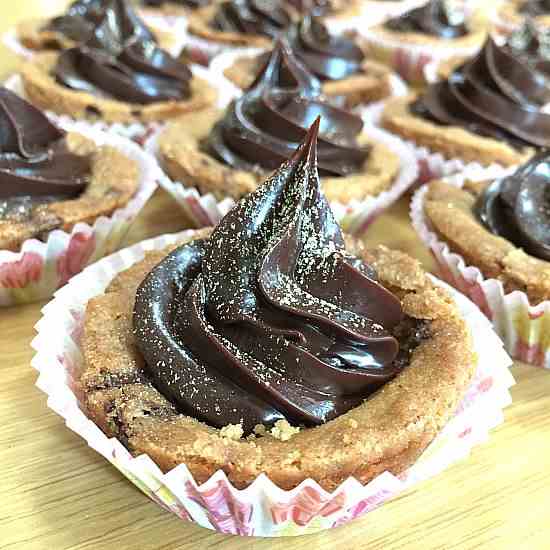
449	211
508	12
181	155
43	91
114	181
372	84
450	141
388	432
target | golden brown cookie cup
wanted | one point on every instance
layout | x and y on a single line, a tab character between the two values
450	141
509	18
42	90
372	84
183	158
386	433
114	181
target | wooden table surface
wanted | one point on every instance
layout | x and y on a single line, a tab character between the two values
59	494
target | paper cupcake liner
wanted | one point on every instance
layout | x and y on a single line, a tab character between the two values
431	165
410	60
226	59
136	131
262	509
523	327
40	267
354	217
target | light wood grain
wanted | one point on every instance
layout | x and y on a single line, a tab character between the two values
59	494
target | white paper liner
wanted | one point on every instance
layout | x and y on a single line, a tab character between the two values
135	131
431	165
354	217
524	327
262	509
39	268
226	59
410	60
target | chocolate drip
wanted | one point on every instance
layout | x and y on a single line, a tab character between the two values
517	207
34	160
535	8
119	60
327	57
83	17
497	94
433	18
265	17
269	318
261	129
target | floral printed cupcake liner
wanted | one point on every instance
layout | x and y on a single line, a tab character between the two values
262	509
523	327
354	217
431	165
136	131
41	267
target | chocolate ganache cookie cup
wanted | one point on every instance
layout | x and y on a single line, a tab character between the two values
489	111
217	157
266	377
67	198
490	233
77	25
120	76
340	62
427	34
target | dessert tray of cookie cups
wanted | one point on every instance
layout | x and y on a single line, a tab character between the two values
42	266
523	326
354	217
262	508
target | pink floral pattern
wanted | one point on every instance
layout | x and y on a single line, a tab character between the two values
23	272
76	256
225	511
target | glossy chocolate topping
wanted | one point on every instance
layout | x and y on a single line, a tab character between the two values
120	61
83	17
433	18
192	4
517	207
535	8
34	160
262	128
265	17
497	94
269	318
328	57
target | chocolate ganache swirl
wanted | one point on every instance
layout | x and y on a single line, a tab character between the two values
83	17
321	7
265	17
517	207
434	18
192	4
269	318
122	61
34	160
262	128
498	94
327	56
535	8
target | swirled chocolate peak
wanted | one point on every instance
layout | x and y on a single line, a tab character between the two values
497	94
262	128
265	17
191	4
434	18
122	62
327	56
535	8
34	160
517	207
269	318
83	17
